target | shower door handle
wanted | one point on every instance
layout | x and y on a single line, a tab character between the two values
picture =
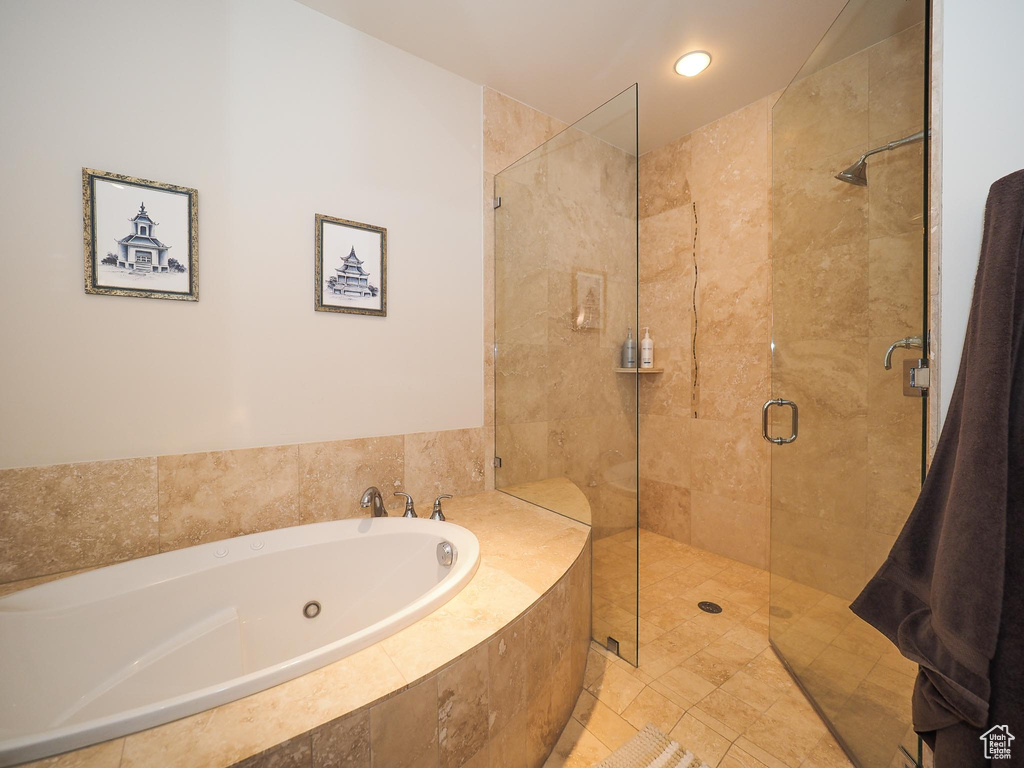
764	421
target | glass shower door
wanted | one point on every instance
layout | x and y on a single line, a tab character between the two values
565	264
848	282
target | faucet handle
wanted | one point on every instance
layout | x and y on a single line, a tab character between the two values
410	509
438	513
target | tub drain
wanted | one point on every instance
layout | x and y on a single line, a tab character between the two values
312	609
708	607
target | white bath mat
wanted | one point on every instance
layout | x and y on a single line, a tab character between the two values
651	748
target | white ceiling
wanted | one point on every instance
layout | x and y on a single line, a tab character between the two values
566	57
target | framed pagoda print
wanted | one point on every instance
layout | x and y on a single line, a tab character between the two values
141	237
351	266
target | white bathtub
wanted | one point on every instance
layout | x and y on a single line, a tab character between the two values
127	647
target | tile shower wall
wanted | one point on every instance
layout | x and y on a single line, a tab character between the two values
705	292
75	516
511	130
563	411
849	282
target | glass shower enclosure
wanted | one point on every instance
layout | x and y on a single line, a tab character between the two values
849	305
565	285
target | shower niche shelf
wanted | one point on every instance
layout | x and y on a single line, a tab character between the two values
639	370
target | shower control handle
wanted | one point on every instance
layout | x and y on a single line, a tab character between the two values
764	421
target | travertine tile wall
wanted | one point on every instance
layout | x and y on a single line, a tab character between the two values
705	222
511	130
73	516
504	703
562	410
849	271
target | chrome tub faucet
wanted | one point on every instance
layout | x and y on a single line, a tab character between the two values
372	498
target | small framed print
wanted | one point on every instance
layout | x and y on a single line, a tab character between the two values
141	237
351	266
588	300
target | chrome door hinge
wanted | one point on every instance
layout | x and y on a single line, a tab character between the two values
917	377
497	202
497	462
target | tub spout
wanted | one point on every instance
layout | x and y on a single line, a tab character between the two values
372	498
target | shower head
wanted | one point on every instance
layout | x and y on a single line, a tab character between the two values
857	174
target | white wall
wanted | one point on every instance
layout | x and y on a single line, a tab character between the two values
982	126
273	112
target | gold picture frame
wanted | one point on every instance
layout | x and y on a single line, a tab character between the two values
142	268
353	289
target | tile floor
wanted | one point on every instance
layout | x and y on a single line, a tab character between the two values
709	681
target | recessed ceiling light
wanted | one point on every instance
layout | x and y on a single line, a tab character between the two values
693	63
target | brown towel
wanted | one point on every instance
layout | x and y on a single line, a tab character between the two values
949	594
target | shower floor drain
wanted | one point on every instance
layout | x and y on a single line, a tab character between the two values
708	607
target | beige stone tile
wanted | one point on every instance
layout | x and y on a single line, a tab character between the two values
730	527
72	516
820	293
512	130
824	113
729	459
333	476
507	745
664	449
612	730
706	743
667	393
104	755
667	307
663	178
734	380
840	210
652	707
747	746
211	496
672	613
403	729
721	707
523	452
576	748
548	711
616	688
737	758
444	462
895	202
734	305
827	754
294	753
343	743
687	685
788	730
896	84
757	693
896	286
462	708
482	608
241	728
506	654
712	668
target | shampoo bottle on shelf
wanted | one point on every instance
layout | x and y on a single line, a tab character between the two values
629	350
647	350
